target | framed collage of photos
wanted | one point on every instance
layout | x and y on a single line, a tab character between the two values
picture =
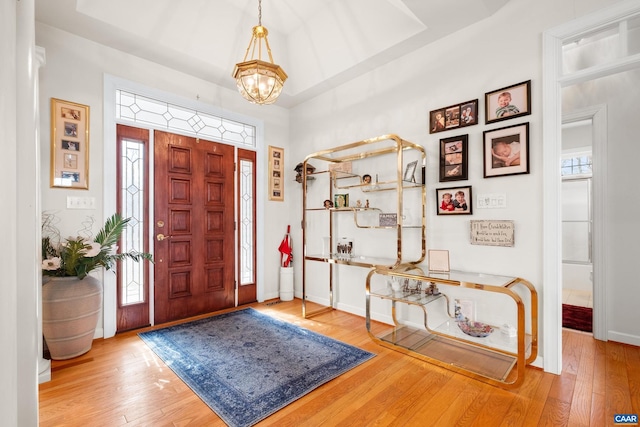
276	174
454	155
69	145
454	116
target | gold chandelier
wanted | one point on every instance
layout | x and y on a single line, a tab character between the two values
258	81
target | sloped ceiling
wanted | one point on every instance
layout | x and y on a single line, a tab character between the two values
319	43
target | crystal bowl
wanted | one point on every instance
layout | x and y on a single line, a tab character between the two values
475	329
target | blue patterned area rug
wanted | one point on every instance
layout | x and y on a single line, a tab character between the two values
247	365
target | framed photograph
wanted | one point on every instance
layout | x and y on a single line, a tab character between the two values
469	113
436	120
70	161
454	116
341	200
454	201
454	158
409	172
506	151
438	261
508	102
276	174
388	219
69	145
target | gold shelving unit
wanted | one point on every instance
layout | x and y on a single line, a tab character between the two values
390	150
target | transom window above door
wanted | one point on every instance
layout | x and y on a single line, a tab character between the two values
163	115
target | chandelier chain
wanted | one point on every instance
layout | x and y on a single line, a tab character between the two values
260	13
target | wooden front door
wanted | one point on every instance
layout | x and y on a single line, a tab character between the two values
194	226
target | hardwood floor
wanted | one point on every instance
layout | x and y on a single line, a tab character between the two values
120	382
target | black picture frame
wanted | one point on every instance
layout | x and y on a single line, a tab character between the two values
454	158
454	116
519	96
451	207
514	143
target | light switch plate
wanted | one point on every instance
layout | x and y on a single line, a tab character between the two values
491	201
81	202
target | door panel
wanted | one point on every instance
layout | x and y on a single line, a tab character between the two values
246	178
195	266
133	181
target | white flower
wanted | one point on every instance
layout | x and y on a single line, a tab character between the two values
51	264
93	250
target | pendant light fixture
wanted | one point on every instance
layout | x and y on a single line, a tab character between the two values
258	81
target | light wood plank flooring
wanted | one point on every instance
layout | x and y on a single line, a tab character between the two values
120	382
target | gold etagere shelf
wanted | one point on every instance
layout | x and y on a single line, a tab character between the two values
395	153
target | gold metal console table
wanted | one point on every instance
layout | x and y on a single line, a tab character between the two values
498	360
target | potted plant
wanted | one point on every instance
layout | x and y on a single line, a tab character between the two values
71	299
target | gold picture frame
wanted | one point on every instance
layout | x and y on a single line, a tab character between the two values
276	174
69	145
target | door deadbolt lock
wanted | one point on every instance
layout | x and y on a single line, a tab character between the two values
160	223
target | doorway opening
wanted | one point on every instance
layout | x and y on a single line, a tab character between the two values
577	226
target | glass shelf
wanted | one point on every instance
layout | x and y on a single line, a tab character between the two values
453	354
358	261
412	297
358	224
388	186
497	339
345	209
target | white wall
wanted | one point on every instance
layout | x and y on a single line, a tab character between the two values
396	98
82	82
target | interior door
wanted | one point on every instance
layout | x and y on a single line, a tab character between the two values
194	226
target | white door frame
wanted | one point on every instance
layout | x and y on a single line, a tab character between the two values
553	81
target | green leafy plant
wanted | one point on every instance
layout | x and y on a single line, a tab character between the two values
78	256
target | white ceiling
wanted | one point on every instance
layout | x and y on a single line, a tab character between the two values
319	43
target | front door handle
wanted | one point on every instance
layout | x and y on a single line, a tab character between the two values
161	237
